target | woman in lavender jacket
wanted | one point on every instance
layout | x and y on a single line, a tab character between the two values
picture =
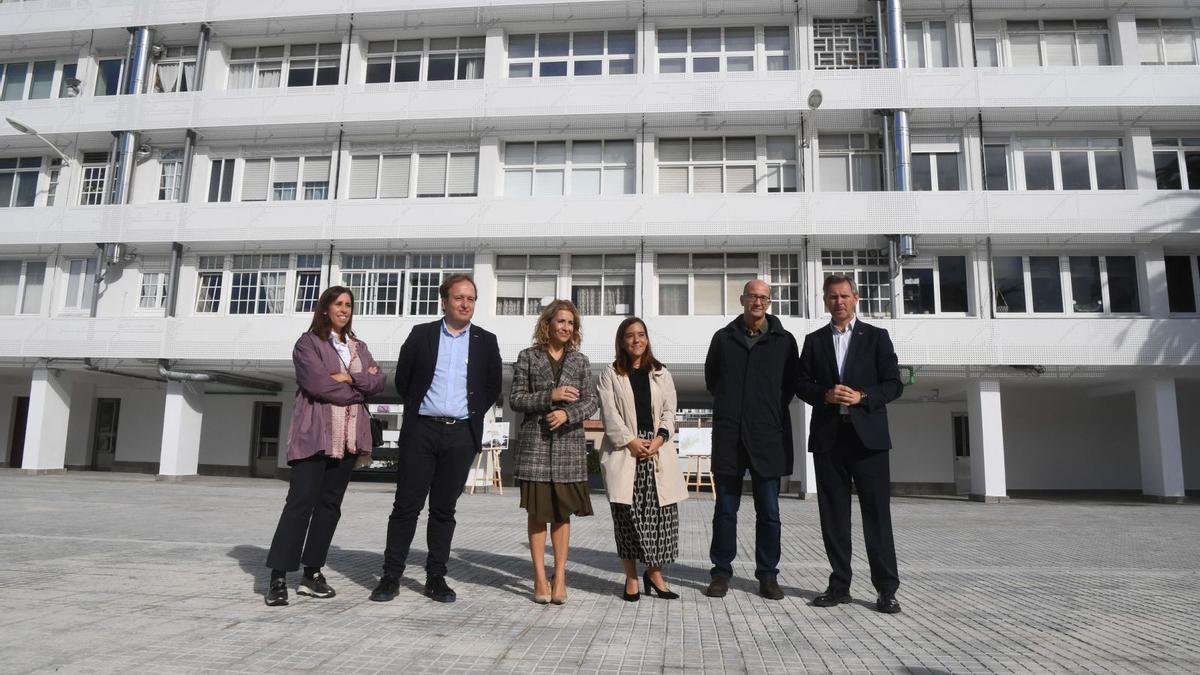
330	430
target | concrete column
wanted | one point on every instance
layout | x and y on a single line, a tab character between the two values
1138	160
1158	441
495	55
46	428
1123	28
987	442
1153	289
643	298
490	169
182	416
648	176
803	481
647	49
485	286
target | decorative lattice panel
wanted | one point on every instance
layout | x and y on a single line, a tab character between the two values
843	44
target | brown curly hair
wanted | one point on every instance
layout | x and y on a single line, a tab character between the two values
541	332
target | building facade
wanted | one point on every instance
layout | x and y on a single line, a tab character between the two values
1016	191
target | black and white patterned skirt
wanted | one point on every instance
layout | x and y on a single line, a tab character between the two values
644	530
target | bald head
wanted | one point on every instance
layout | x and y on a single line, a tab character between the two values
756	300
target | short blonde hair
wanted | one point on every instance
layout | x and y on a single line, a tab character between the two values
541	332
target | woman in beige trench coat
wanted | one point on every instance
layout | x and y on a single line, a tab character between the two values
639	461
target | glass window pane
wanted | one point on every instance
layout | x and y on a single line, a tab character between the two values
778	38
1181	292
996	166
1074	166
10	281
739	39
739	64
518	183
835	173
35	277
516	70
987	53
707	150
518	154
1039	174
947	171
624	152
952	282
379	70
1093	50
621	42
672	179
672	41
1191	161
551	153
520	46
589	43
586	68
706	65
1046	282
552	69
1009	277
1085	283
548	183
14	82
441	67
43	78
939	45
26	190
1110	174
868	174
706	179
672	295
1122	283
553	44
1060	49
739	179
1025	50
1179	48
706	292
706	40
672	65
914	51
585	181
922	176
918	291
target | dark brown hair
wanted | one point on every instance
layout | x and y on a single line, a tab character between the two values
450	281
321	324
623	363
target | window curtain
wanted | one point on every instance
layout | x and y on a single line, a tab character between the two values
241	76
188	83
166	78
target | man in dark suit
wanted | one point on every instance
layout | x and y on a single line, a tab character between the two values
750	371
848	374
449	376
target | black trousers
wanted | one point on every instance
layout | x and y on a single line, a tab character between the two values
433	464
311	512
871	473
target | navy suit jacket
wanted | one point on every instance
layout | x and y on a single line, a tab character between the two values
418	360
871	367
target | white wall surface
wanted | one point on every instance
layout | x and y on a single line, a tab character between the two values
922	444
1060	438
80	424
228	424
139	429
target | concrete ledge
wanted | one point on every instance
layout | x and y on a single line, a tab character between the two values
916	488
1160	499
43	472
989	499
175	479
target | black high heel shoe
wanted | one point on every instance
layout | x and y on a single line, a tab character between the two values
651	589
630	597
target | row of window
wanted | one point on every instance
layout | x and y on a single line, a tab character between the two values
696	284
843	43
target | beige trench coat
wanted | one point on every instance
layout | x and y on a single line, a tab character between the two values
620	427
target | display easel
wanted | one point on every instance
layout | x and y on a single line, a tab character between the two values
699	472
492	476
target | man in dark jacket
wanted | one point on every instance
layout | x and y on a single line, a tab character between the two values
848	374
751	373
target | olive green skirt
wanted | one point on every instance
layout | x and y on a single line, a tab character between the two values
555	502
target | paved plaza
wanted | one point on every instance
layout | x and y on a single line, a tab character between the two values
120	573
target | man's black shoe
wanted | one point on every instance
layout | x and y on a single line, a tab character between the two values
277	593
831	599
886	603
437	590
386	590
718	587
769	589
315	586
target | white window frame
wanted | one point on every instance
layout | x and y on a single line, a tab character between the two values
323	55
170	177
53	178
358	182
19	175
760	57
422	49
93	179
1155	29
450	156
424	277
1066	284
208	268
866	266
106	58
1080	27
27	80
261	274
506	274
611	274
1091	145
933	261
152	290
926	46
869	145
1179	146
518	64
757	163
227	168
82	273
785	273
730	305
569	165
180	57
309	282
929	153
302	188
21	304
1193	258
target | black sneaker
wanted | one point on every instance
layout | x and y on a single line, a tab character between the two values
315	586
437	590
276	593
386	590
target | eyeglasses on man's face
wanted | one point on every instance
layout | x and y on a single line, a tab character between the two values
755	298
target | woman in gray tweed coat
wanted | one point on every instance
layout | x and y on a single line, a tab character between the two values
552	385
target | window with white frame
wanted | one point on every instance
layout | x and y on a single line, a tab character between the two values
375	279
869	269
21	285
425	59
1067	42
1177	163
258	283
94	180
108	76
23	80
1039	284
845	43
1167	42
279	179
170	176
935	166
783	171
695	165
175	70
703	284
426	272
220	180
382	176
1182	283
68	85
525	283
152	292
447	174
927	44
996	168
18	181
935	285
602	284
555	168
210	279
1072	163
850	162
987	49
305	65
308	281
723	50
579	54
53	173
81	283
783	270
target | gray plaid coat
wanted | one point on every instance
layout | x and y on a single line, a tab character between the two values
558	456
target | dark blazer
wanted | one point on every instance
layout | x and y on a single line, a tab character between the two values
871	367
751	390
558	456
418	359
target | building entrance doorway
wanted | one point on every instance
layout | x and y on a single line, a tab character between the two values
104	435
962	454
16	445
264	453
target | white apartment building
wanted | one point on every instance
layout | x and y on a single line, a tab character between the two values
181	178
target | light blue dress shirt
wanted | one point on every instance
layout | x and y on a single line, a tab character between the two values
447	395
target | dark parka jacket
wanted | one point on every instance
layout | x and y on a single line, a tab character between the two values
751	389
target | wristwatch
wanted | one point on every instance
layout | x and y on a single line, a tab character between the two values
862	398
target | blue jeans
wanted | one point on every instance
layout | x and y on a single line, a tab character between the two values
728	492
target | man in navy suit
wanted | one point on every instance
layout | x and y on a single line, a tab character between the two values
848	374
448	375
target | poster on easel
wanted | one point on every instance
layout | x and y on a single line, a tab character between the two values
487	464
